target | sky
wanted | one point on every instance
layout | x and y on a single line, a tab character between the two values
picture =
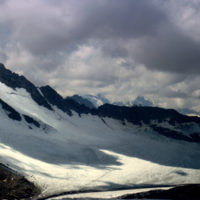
119	48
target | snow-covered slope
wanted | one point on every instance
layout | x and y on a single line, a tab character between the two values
78	152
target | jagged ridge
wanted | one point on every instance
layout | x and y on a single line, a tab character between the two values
135	115
15	81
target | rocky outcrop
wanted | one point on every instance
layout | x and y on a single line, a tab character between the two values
173	134
186	192
30	120
77	107
14	81
81	101
15	186
66	105
11	112
55	99
138	115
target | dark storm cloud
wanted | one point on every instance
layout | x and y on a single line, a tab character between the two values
122	19
49	27
42	29
114	50
171	51
122	47
161	45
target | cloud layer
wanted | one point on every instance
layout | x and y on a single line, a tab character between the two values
119	48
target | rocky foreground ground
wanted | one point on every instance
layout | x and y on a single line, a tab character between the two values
185	192
15	186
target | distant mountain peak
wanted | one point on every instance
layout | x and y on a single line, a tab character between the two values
140	98
99	95
97	100
139	101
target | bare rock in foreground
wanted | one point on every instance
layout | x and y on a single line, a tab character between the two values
186	192
15	186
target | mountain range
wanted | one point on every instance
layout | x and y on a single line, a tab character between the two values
62	145
93	101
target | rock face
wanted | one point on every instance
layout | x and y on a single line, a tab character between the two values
30	120
11	112
55	99
66	105
15	81
77	107
187	192
81	101
15	186
138	115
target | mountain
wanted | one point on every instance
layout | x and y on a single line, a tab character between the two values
96	100
82	100
14	81
92	101
139	101
62	146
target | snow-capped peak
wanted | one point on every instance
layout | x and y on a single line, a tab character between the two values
97	100
139	101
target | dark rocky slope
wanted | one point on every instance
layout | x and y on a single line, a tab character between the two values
15	186
81	101
138	115
55	99
66	105
186	192
11	112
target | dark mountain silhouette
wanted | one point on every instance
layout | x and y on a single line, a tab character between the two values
81	100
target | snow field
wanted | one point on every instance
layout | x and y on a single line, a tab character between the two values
84	153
